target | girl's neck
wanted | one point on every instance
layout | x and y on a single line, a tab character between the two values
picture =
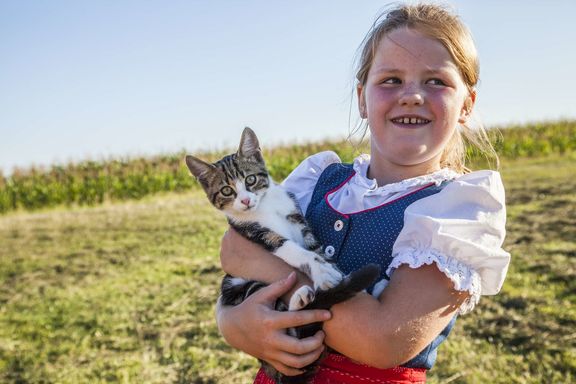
386	173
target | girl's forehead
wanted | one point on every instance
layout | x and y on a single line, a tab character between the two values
409	46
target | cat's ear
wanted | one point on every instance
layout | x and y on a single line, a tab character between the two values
249	145
200	169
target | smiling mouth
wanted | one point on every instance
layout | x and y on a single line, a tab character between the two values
411	120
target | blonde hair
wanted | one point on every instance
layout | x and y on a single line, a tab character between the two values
438	23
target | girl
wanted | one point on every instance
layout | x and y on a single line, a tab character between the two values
412	206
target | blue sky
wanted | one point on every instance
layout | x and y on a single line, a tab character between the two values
101	78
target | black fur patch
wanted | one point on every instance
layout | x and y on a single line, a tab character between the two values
296	218
305	268
234	290
259	234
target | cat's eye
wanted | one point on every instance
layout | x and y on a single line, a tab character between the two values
250	180
226	191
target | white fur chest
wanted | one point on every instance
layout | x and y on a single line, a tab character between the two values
271	213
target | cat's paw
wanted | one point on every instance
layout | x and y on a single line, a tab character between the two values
325	275
301	298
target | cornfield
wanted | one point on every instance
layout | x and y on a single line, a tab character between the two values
93	182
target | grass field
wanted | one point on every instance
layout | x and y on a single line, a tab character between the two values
124	292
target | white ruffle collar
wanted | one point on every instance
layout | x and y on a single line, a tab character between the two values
362	162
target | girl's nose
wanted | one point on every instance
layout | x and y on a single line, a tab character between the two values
411	96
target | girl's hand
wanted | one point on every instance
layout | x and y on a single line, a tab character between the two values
257	329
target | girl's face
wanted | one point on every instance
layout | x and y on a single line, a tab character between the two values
414	98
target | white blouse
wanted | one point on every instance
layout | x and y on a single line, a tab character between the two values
460	229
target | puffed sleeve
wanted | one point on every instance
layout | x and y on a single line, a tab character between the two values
302	180
461	229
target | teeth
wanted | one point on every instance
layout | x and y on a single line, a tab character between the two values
411	120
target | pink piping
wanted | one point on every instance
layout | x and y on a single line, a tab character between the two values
347	215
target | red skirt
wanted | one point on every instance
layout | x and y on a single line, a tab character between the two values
338	369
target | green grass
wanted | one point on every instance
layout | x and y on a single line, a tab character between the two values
121	293
124	292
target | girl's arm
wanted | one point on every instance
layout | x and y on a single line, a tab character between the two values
411	312
413	309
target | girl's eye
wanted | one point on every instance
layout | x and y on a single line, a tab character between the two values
436	82
391	80
226	191
250	180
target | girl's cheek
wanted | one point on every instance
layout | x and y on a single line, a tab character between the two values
441	99
382	94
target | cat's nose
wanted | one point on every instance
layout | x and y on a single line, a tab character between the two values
246	201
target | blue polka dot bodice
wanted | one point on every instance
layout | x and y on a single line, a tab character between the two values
356	239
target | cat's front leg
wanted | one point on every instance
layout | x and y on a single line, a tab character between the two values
323	274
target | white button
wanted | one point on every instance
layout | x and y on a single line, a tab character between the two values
338	225
329	251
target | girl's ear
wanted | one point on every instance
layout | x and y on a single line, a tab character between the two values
467	107
361	101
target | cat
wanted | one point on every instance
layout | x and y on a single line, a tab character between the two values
240	186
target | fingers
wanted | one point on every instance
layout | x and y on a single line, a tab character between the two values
284	369
268	339
298	362
292	365
294	354
297	318
294	346
273	291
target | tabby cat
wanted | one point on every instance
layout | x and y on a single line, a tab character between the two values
260	210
